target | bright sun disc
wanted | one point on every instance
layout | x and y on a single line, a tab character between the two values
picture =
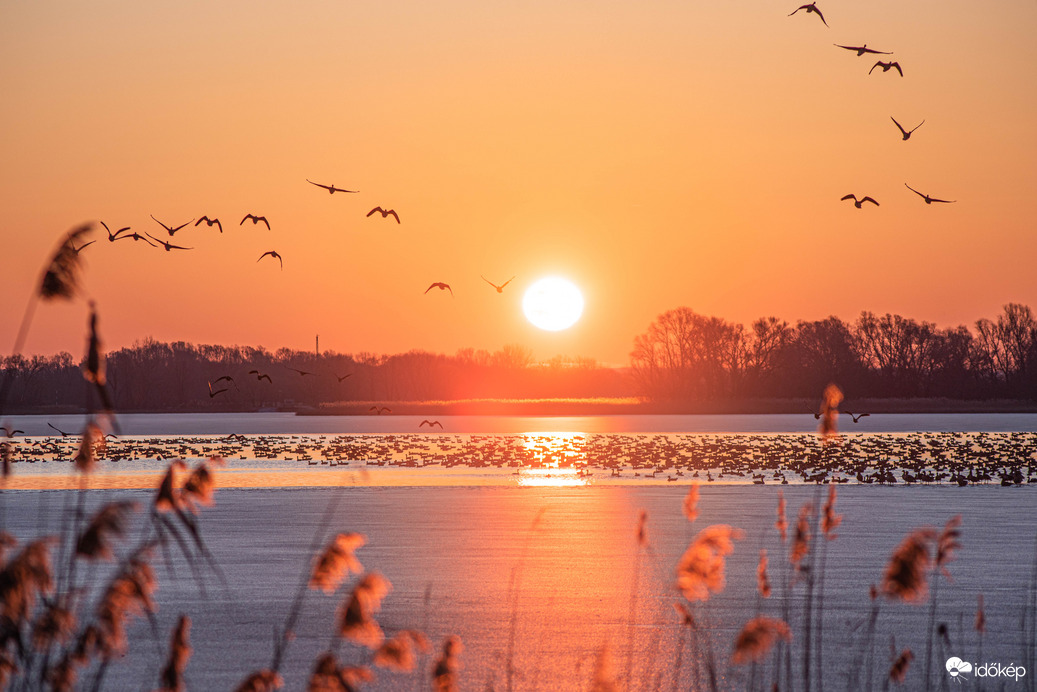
553	304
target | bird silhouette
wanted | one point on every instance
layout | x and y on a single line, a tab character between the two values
255	220
82	247
342	377
442	287
212	393
385	212
430	423
260	376
927	198
886	67
331	188
861	50
302	373
812	7
906	133
11	433
62	432
211	222
500	289
225	378
135	237
858	202
380	409
112	237
856	417
170	230
272	253
169	246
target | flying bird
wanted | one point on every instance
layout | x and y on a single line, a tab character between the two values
135	237
812	7
442	287
500	289
906	133
385	212
255	220
858	202
63	433
171	230
212	393
343	376
331	188
169	246
211	222
260	376
861	50
927	198
380	410
886	67
302	373
112	237
11	433
272	253
857	417
79	249
430	423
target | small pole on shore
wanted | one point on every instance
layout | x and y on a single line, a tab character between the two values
316	345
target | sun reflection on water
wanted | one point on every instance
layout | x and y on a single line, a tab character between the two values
553	459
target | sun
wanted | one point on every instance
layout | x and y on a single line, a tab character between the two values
553	303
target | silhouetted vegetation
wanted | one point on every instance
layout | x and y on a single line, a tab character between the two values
690	357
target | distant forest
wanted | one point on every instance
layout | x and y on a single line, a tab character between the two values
682	357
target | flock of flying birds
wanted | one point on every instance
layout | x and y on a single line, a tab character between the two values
886	67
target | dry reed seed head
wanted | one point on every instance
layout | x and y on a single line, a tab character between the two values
782	525
763	584
61	275
701	568
24	578
88	644
947	544
686	618
167	499
642	530
5	457
691	503
604	679
337	561
328	676
7	541
93	367
199	488
398	653
829	519
261	681
907	574
179	654
92	440
128	595
981	617
830	401
61	676
898	671
356	621
801	538
55	626
873	592
109	522
758	637
444	673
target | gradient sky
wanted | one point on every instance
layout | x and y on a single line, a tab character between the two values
657	154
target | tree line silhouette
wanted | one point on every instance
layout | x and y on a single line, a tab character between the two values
682	357
685	356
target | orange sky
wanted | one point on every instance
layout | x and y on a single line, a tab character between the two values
657	154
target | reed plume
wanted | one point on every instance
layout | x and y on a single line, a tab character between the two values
7	541
109	522
758	637
261	681
27	576
337	561
329	676
946	546
128	595
54	626
981	616
61	275
200	485
898	671
907	574
398	653
172	676
701	568
829	519
691	503
604	679
445	672
92	440
801	538
356	621
781	524
167	499
830	400
763	584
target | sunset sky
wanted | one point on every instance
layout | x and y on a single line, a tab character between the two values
657	154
